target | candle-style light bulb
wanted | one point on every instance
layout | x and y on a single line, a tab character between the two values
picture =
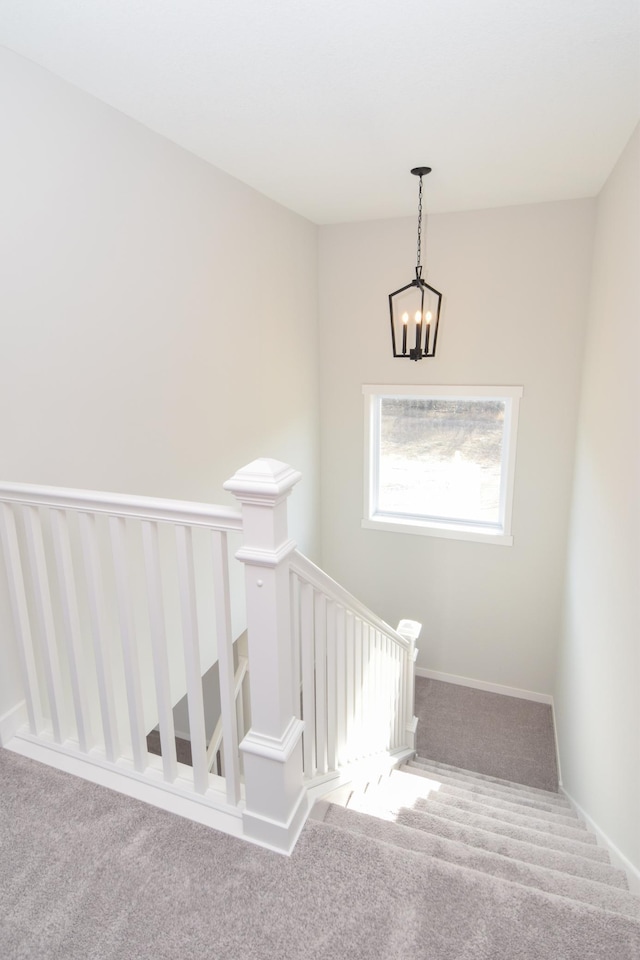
405	321
428	317
418	319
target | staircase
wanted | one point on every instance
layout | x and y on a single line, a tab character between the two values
126	617
518	859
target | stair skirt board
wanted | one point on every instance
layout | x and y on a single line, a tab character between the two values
517	844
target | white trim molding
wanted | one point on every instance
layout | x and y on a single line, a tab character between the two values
618	858
393	519
274	748
485	685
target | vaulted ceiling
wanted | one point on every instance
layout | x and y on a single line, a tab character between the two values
325	105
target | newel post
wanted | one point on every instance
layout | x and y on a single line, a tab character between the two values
410	630
276	802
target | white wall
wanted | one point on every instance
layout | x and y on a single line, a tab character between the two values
598	689
157	317
514	282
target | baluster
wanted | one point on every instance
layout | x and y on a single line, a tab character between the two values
307	654
151	548
186	579
221	595
294	585
73	634
400	684
117	530
365	748
95	597
341	685
375	678
44	616
387	694
370	726
407	700
376	744
18	600
380	708
320	632
359	706
392	697
350	677
332	687
398	719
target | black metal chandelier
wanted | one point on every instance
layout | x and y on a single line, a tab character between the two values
415	308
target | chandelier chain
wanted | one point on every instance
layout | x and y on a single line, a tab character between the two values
419	251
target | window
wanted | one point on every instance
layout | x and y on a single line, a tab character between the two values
440	460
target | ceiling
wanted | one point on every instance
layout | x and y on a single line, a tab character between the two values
325	105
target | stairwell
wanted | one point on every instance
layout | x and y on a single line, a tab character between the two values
519	852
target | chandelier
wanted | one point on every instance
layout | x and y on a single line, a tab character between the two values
415	308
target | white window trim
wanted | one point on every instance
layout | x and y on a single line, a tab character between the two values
499	534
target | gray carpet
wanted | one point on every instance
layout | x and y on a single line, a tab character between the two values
88	874
486	732
183	748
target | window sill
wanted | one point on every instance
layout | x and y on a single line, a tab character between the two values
434	529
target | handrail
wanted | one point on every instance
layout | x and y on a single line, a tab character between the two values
305	568
123	505
217	735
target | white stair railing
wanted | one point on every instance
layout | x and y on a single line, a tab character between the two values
121	605
353	675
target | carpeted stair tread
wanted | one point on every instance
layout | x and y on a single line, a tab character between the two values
550	801
396	797
492	806
518	849
578	832
440	765
471	915
459	788
515	831
552	881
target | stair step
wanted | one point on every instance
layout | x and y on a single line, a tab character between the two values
597	894
493	807
516	831
537	791
550	801
459	912
575	832
396	797
518	849
515	805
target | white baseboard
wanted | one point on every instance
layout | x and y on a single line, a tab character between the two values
557	743
618	858
149	787
485	685
11	721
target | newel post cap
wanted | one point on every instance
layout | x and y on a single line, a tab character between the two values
409	629
263	481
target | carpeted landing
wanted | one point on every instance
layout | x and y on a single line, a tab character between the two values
525	876
451	866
